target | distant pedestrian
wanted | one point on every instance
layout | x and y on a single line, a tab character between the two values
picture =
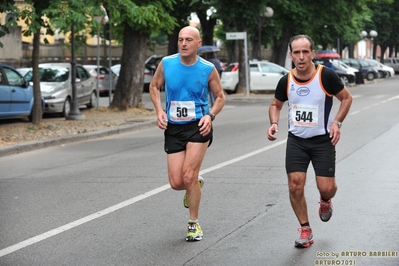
313	131
211	57
187	122
327	62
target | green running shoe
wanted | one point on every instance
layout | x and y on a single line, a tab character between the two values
201	181
194	232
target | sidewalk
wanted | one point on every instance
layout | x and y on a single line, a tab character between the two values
135	124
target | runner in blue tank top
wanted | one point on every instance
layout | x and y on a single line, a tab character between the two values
186	89
187	120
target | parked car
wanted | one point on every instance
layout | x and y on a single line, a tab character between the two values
151	64
103	78
346	73
381	72
264	76
16	95
24	70
368	72
56	87
386	71
392	62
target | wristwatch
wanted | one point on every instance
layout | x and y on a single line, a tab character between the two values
338	123
212	116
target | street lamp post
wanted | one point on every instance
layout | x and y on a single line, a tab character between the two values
268	13
74	113
372	35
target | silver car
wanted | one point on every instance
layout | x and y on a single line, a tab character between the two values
103	78
56	87
392	62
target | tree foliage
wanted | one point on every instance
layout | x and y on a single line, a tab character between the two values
331	23
133	22
239	15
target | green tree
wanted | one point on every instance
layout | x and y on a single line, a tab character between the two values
181	12
207	17
238	15
385	21
325	21
74	16
132	24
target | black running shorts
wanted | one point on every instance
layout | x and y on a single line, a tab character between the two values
318	150
177	136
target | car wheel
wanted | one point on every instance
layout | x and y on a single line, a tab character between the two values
388	75
67	108
345	80
93	100
370	76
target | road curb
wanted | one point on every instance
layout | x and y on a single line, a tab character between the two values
35	145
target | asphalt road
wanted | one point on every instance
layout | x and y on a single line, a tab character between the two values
107	201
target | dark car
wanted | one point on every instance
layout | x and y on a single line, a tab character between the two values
16	95
151	64
347	76
368	72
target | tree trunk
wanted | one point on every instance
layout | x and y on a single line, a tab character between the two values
207	26
172	41
351	49
279	50
242	84
37	107
129	88
256	48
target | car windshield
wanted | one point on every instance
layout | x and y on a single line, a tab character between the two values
372	63
50	74
364	64
116	69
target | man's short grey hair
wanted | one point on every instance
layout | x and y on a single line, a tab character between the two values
301	36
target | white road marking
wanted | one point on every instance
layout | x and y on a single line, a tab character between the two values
374	105
121	205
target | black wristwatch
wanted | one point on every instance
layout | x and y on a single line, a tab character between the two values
212	116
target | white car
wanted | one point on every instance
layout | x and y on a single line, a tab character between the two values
386	71
345	66
56	87
264	76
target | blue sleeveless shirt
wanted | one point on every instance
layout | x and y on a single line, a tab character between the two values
186	89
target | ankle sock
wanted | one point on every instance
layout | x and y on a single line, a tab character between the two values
305	224
324	199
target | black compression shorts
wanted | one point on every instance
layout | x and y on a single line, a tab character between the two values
318	150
